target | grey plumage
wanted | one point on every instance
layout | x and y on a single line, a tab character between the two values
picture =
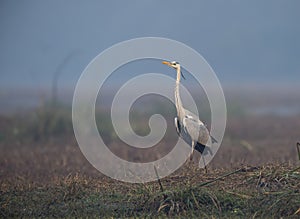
188	126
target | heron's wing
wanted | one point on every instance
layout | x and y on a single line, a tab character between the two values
189	113
195	129
197	120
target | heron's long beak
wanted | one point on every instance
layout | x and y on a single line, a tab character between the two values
166	63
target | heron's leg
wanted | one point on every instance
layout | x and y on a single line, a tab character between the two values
204	163
192	152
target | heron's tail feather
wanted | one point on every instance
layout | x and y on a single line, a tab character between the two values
200	148
213	140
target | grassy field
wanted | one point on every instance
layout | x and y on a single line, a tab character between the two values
267	191
254	174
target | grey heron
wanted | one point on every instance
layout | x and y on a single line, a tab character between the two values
188	126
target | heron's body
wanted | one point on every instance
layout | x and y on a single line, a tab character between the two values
188	125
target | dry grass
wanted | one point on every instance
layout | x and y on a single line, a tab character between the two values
254	174
267	191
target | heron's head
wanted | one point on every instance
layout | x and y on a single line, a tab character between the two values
172	64
175	65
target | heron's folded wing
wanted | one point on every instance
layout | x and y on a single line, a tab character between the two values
196	130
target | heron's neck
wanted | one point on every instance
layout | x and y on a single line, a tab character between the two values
178	103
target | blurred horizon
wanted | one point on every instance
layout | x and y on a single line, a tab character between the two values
253	47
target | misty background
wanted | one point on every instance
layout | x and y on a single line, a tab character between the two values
253	46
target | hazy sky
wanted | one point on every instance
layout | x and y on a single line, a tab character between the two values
244	41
